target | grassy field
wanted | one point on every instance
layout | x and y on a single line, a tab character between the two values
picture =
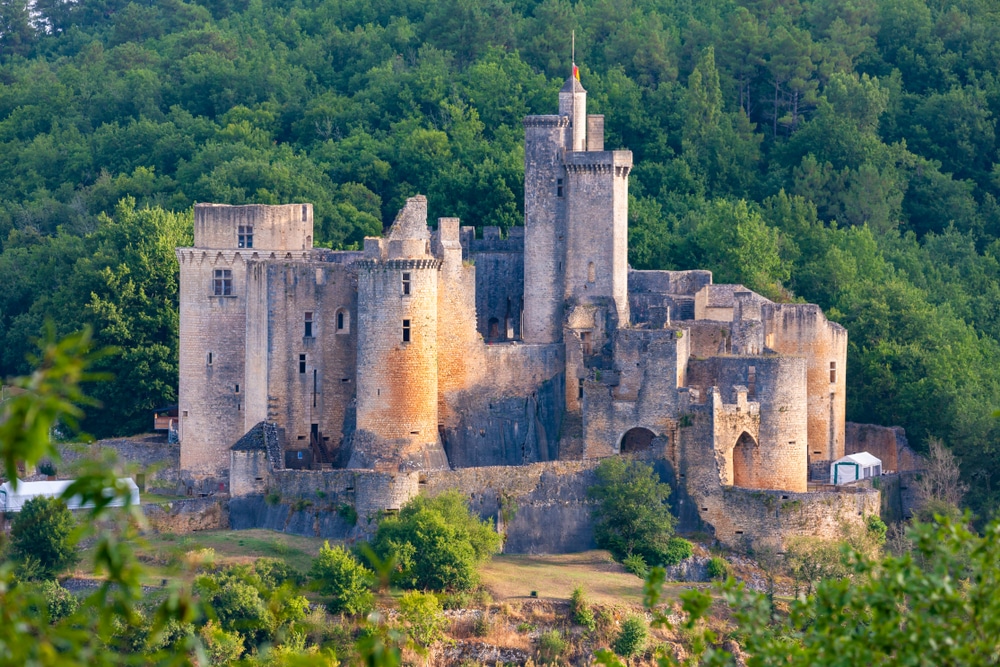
556	576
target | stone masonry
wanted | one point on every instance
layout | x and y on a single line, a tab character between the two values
434	352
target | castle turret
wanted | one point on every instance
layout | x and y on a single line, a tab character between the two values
573	104
397	380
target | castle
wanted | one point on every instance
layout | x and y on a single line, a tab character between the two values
435	350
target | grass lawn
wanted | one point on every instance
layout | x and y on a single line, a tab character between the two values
556	576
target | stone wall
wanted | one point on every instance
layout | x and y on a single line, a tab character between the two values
187	516
148	455
887	443
499	265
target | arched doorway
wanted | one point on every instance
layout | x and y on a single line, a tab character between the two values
637	440
743	455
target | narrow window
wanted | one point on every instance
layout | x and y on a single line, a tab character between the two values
591	273
559	187
245	236
752	382
315	386
833	372
209	358
302	363
580	396
237	389
309	325
585	338
340	321
305	212
343	321
222	285
406	331
406	284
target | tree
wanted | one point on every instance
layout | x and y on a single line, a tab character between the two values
335	572
422	618
939	487
42	532
631	639
436	542
632	515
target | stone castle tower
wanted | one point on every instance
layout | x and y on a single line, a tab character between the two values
397	393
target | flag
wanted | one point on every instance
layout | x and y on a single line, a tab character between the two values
576	72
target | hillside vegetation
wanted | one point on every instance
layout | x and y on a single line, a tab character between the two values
842	153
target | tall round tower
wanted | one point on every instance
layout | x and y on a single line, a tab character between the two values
397	381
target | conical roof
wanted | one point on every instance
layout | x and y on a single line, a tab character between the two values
572	85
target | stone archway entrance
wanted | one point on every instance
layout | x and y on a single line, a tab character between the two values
637	440
743	455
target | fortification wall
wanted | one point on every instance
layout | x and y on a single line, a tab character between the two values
285	227
499	266
803	330
149	455
319	388
887	443
211	359
513	414
657	298
640	392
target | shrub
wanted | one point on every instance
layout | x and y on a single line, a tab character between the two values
677	549
348	514
422	617
636	564
718	568
876	528
551	645
337	573
275	573
437	543
41	535
60	602
482	625
272	498
631	639
580	611
47	468
631	513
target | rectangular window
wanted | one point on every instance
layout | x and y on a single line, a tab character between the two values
245	236
588	346
833	372
237	389
406	331
559	187
309	325
222	284
340	321
406	284
209	358
302	363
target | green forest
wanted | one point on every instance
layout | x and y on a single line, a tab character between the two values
837	152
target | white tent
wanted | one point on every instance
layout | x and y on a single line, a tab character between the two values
13	500
853	467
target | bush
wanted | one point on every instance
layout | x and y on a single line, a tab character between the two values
337	573
41	536
718	568
422	617
678	549
482	625
631	639
580	611
60	602
275	573
636	564
437	543
631	513
551	645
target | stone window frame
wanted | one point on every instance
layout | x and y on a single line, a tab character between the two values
559	187
407	283
342	321
222	282
244	236
308	322
302	364
407	331
833	372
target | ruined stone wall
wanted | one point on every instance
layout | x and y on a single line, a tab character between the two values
499	264
323	394
778	459
179	517
659	297
513	413
640	392
149	455
887	443
460	349
546	137
708	337
285	227
803	330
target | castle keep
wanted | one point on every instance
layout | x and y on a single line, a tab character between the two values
433	352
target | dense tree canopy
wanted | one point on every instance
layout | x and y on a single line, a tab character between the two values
843	153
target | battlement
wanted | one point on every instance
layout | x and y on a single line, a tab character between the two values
552	120
257	226
492	240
